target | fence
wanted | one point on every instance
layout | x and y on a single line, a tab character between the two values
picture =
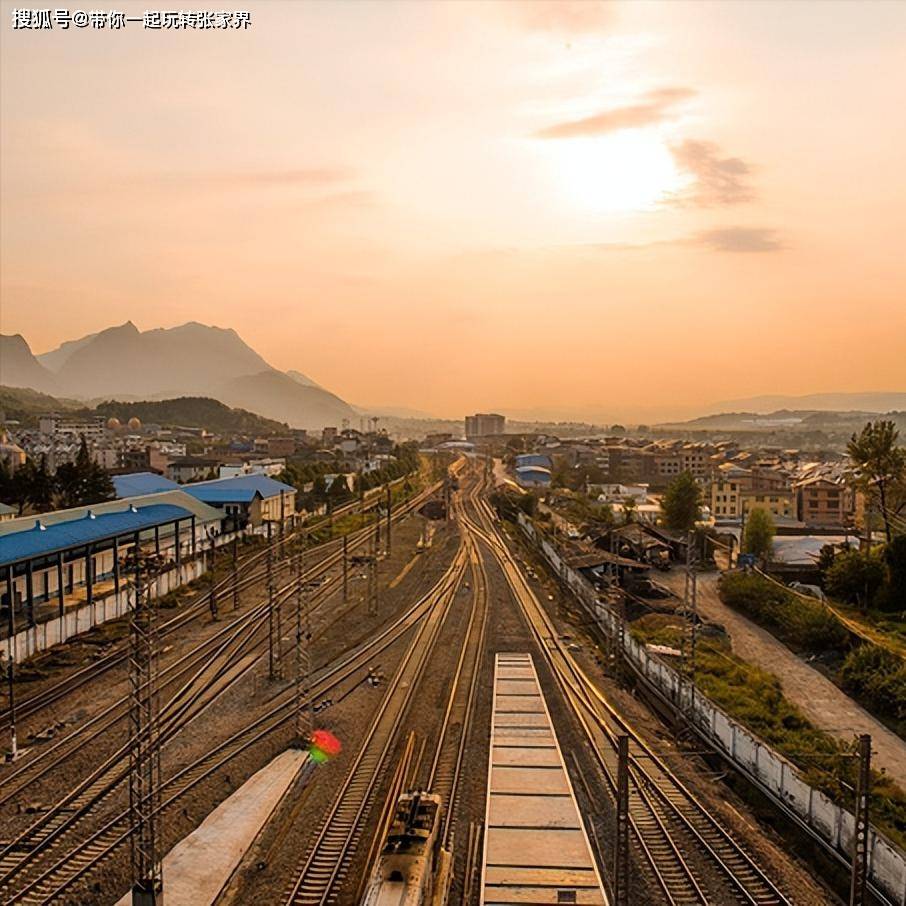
769	771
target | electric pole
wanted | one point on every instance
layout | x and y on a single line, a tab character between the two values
621	860
214	611
235	572
11	665
862	827
144	749
389	511
271	647
303	654
345	567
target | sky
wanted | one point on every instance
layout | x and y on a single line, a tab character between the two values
455	206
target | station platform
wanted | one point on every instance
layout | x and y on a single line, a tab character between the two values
199	866
535	846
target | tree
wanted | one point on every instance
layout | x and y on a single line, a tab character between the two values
856	577
881	464
630	509
83	482
759	536
681	503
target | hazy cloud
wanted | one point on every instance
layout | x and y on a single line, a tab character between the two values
571	16
740	239
655	107
721	239
718	180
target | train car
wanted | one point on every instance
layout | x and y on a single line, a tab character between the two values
413	869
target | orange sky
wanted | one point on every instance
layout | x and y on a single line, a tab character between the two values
456	206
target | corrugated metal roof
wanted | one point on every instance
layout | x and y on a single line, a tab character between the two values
42	540
136	483
202	512
241	489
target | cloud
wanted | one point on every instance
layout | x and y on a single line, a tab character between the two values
654	108
720	239
718	180
571	16
740	239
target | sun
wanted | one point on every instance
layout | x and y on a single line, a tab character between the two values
628	171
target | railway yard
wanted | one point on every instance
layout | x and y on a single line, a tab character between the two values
407	665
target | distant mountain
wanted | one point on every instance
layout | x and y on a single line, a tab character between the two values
303	379
191	360
19	368
274	394
877	402
56	358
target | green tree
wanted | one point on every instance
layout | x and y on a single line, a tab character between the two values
681	503
630	509
83	482
880	462
856	577
759	536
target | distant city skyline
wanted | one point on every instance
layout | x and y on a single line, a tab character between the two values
461	207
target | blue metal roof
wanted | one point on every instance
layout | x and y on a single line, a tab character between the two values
137	483
533	459
241	489
41	540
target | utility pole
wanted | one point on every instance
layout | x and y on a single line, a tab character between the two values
389	511
373	572
214	611
11	665
861	830
235	572
144	748
303	652
271	647
621	860
345	567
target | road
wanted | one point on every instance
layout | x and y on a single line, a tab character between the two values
810	690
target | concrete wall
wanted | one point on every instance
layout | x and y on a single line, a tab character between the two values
778	778
26	642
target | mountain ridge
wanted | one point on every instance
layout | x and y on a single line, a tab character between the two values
191	359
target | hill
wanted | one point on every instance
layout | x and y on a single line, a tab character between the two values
19	368
20	403
192	360
191	412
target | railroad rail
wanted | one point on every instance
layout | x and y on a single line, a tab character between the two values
667	820
255	560
328	860
60	877
59	823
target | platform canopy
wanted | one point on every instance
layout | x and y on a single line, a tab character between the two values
42	540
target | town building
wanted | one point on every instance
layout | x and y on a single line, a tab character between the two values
247	499
484	424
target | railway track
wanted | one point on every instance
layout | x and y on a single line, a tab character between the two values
252	569
61	871
59	825
326	866
668	822
37	766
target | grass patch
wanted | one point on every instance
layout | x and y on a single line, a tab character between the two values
803	623
755	698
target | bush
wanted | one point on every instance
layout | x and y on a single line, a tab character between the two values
802	622
878	677
856	578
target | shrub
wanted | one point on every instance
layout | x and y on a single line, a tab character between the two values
802	622
856	578
878	677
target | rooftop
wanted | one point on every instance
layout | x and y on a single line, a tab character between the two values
42	540
240	489
136	483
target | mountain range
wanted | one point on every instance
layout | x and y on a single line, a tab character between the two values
126	363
